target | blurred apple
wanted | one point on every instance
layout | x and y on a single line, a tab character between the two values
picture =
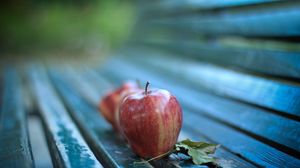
109	105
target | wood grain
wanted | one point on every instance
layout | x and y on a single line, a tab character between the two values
278	20
15	149
245	87
268	61
261	148
66	144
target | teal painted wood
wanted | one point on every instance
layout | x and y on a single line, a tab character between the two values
170	6
84	84
67	146
282	63
224	156
1	90
80	79
108	147
15	149
249	148
249	88
276	128
164	35
277	20
232	139
280	130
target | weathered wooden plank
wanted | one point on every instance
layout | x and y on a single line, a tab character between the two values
109	148
275	128
27	94
163	37
170	6
263	154
225	156
250	118
1	87
249	88
246	147
84	84
40	152
274	20
270	61
67	146
15	149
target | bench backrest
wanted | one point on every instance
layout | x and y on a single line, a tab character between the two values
260	36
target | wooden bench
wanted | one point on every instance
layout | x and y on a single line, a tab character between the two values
233	65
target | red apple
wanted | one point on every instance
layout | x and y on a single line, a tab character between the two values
110	103
151	121
123	95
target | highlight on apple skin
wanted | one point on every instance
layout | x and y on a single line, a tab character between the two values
109	104
151	122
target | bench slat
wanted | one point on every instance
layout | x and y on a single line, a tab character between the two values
84	85
15	149
277	20
233	144
169	6
166	37
253	89
67	146
272	61
226	157
1	87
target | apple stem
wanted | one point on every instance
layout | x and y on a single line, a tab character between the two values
146	88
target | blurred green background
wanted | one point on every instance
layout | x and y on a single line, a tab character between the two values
71	28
